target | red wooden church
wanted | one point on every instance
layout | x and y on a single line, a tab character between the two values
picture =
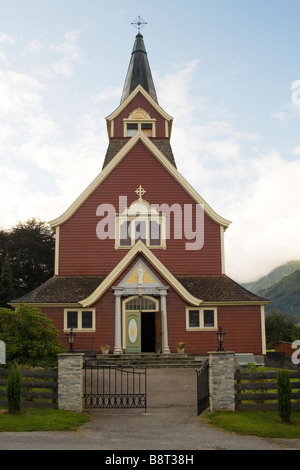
139	261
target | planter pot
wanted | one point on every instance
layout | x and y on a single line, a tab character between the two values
105	351
180	350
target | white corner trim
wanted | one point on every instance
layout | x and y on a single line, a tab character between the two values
139	247
56	261
263	329
222	249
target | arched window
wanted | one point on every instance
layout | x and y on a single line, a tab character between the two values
140	222
141	304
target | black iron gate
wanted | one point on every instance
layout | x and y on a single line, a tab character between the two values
114	386
202	388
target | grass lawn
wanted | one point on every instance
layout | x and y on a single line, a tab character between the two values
257	423
44	419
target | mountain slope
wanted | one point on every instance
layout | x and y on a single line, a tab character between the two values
285	295
273	277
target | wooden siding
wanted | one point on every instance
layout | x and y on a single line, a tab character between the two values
139	102
83	253
241	323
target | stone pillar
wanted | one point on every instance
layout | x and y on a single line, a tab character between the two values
163	299
221	381
70	382
118	341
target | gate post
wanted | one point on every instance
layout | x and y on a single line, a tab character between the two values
221	381
70	382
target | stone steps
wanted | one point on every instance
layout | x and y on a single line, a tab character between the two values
150	360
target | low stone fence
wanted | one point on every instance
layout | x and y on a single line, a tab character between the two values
221	381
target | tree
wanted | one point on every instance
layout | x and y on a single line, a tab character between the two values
284	395
280	327
29	248
14	388
6	283
30	337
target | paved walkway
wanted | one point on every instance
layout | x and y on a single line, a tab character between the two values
171	423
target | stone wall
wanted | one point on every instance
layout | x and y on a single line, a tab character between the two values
70	382
221	381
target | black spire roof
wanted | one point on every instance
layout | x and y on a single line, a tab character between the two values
139	72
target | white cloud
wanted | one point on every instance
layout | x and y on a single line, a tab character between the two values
70	54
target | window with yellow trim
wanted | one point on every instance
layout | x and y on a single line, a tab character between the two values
139	120
80	319
201	319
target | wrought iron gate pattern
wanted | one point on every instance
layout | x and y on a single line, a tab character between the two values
114	386
202	388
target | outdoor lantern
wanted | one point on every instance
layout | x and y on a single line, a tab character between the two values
71	339
220	336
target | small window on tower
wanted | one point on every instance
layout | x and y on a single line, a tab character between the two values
131	129
147	129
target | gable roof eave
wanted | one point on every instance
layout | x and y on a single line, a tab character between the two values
94	184
139	136
139	248
133	94
184	183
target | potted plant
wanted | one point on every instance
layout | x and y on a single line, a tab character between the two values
180	347
105	349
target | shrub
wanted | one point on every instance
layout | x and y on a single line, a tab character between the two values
14	385
284	395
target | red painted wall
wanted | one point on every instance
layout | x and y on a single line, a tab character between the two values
82	253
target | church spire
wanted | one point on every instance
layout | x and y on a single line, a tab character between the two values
139	72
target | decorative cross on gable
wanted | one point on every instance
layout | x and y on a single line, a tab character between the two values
140	192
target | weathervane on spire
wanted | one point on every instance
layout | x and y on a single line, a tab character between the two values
139	23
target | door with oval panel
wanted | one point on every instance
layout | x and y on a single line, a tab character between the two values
133	332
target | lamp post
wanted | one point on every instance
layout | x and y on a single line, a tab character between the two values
220	336
71	339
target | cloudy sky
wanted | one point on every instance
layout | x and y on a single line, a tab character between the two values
228	71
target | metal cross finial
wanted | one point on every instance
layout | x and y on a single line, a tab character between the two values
140	192
139	23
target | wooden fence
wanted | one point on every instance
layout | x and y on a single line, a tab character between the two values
258	391
39	388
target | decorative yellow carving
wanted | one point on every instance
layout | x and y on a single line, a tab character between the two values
139	113
134	278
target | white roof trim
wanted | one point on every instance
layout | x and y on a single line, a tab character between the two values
139	89
139	136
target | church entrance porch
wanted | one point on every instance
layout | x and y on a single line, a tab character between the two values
141	313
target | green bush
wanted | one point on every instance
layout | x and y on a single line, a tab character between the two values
14	385
30	337
284	395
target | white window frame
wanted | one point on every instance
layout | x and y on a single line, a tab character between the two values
79	317
151	215
139	116
201	326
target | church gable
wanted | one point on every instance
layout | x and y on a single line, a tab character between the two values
84	250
